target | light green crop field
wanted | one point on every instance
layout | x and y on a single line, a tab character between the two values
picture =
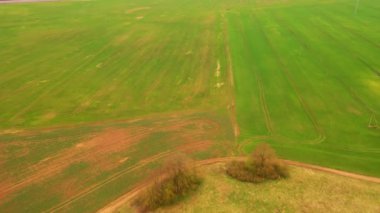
93	94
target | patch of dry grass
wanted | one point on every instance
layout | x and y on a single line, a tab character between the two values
304	191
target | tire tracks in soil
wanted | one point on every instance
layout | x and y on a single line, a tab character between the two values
101	145
140	164
262	97
62	160
318	129
349	89
231	106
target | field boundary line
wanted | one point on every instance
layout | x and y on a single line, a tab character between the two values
64	79
263	103
319	130
262	96
349	30
353	53
151	116
345	86
232	105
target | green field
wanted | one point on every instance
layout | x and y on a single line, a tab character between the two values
94	93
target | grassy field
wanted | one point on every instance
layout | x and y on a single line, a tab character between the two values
95	93
304	191
307	80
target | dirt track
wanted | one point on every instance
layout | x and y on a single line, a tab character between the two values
113	206
334	171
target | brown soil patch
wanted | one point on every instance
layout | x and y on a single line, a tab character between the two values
120	39
354	110
130	11
179	128
93	151
195	147
4	183
48	116
10	131
67	189
104	151
123	160
148	117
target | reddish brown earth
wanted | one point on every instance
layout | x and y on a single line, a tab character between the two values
105	151
188	148
93	150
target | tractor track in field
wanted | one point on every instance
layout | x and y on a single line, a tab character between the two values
108	180
354	54
140	187
349	30
268	120
345	86
263	102
232	105
64	78
144	184
22	70
264	106
318	128
100	145
152	51
200	81
262	96
349	89
351	52
91	75
101	91
55	164
120	80
140	164
163	73
375	71
153	116
261	138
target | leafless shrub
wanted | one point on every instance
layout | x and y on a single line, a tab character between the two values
177	178
263	164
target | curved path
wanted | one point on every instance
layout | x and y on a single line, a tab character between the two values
113	206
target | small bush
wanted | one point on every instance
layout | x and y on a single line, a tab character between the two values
176	180
263	164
